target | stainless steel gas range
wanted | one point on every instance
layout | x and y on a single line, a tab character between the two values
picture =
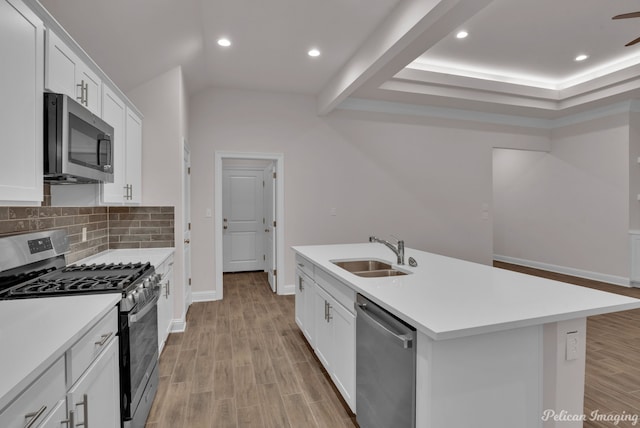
33	265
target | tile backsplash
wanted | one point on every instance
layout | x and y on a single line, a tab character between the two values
106	227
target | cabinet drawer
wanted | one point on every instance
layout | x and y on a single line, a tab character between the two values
92	343
339	291
305	266
38	400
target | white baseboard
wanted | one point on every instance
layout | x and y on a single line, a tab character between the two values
287	290
603	277
204	296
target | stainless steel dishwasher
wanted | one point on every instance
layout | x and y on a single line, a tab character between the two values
385	368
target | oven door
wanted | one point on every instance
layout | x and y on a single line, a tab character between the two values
139	354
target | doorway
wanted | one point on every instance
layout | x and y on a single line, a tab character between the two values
249	216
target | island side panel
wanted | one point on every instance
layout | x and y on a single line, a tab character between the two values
488	380
563	402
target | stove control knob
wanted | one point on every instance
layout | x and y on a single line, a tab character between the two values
146	283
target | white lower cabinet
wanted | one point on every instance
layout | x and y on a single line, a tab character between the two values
305	299
336	343
56	400
95	398
324	312
165	302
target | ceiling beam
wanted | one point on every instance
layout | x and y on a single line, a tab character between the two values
411	28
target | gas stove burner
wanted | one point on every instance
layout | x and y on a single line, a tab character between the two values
79	279
107	267
71	285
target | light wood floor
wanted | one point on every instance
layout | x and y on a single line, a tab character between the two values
242	362
612	378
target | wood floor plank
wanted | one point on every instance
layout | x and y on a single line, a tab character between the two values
199	410
275	415
246	389
285	377
223	385
155	414
325	414
250	417
222	347
298	411
175	407
203	378
224	414
183	371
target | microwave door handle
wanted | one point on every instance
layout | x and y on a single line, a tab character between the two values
102	138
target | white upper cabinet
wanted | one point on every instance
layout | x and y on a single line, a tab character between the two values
21	77
66	73
134	157
114	112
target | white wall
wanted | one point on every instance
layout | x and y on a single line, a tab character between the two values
568	207
162	102
426	184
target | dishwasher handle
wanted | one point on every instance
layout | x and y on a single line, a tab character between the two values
406	339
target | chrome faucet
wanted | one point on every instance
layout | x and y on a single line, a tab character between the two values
398	251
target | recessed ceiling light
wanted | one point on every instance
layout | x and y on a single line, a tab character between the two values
461	34
224	42
581	57
313	52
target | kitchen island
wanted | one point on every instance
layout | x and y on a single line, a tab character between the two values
492	344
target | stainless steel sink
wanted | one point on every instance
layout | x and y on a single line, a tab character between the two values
368	268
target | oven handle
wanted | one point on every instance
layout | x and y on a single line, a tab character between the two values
133	318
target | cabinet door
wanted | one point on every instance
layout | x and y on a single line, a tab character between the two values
95	397
309	319
114	113
343	364
323	328
61	67
299	302
21	76
86	78
134	157
165	307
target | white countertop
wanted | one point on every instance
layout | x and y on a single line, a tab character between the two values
446	298
156	256
34	333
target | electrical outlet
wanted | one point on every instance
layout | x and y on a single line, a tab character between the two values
573	340
84	234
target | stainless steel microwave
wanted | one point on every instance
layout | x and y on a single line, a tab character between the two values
78	145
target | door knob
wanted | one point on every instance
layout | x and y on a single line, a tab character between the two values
266	230
186	241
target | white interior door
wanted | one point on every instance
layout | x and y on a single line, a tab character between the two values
243	227
269	229
186	227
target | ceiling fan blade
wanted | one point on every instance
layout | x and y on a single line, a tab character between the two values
627	15
633	42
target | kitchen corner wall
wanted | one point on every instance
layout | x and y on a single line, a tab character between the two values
106	227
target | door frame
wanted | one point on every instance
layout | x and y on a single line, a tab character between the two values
278	160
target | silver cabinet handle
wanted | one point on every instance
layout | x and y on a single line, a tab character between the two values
81	97
300	286
85	404
86	94
71	422
33	417
329	316
103	339
301	265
